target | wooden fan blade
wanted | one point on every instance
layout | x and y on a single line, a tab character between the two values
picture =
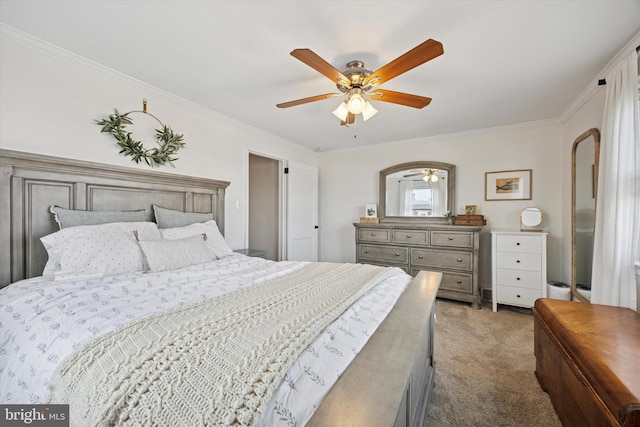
416	56
401	98
320	65
415	174
307	100
351	118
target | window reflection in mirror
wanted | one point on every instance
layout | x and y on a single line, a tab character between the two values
420	191
417	195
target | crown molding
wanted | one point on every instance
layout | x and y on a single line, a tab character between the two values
453	135
593	87
56	52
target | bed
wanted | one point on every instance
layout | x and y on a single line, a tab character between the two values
365	359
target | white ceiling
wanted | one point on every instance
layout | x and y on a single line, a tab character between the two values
505	62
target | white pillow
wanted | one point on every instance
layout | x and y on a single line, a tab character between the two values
171	218
74	218
215	241
172	254
97	250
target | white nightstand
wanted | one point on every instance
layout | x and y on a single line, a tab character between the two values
518	268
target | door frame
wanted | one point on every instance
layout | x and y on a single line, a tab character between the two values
282	220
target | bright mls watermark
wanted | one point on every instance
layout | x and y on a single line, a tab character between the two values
34	415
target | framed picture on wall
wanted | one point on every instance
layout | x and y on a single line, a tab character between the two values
508	185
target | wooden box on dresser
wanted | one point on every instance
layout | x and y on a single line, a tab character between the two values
518	268
450	249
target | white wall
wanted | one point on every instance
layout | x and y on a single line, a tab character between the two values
50	99
349	180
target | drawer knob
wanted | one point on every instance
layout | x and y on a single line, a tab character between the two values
420	256
459	281
397	254
366	252
373	234
459	259
408	236
450	238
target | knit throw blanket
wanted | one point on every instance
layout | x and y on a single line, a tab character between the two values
214	363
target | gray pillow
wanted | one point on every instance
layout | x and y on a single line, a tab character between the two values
170	218
72	218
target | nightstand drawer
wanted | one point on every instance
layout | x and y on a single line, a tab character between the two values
410	236
519	261
517	296
373	235
442	259
394	254
519	278
528	244
458	239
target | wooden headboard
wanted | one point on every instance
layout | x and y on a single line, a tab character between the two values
31	183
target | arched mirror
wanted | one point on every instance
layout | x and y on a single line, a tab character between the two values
584	186
417	191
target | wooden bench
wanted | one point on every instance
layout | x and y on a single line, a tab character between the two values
588	360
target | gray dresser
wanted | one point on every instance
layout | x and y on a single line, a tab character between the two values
450	249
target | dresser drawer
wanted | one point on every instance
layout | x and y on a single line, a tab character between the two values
374	235
457	282
458	239
442	259
517	296
417	237
519	278
519	261
528	244
392	254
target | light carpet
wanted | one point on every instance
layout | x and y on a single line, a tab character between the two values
485	369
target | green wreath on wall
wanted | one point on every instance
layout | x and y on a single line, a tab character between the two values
169	142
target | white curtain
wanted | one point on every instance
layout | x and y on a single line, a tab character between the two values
406	198
618	204
439	198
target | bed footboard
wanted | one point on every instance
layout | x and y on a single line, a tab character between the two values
390	381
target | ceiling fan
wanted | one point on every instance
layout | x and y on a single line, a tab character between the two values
358	82
428	175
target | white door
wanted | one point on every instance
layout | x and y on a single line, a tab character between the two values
302	212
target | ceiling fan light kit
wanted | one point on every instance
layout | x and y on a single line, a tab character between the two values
356	81
430	178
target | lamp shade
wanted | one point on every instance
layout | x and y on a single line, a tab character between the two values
342	111
368	111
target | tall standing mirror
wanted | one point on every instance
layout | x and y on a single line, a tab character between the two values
417	191
584	186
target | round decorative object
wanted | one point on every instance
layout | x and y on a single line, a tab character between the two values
169	142
531	219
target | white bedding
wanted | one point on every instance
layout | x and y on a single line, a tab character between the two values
43	322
